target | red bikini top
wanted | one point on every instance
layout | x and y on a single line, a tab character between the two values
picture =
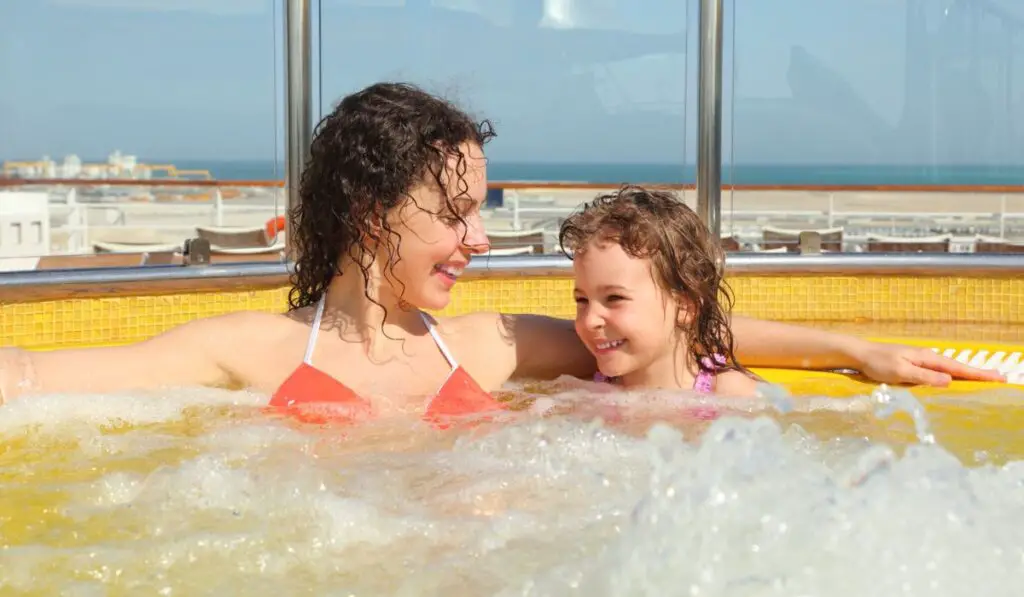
307	385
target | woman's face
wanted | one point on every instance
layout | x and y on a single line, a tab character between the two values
438	236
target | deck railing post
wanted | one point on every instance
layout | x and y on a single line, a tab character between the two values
709	117
298	47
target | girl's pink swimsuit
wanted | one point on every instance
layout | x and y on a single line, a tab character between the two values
703	383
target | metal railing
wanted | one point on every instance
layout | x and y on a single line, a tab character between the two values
107	282
85	213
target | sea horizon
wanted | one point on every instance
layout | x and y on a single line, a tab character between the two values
669	173
615	173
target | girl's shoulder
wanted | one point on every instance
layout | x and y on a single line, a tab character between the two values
734	383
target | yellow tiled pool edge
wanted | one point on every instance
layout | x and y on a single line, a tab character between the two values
937	300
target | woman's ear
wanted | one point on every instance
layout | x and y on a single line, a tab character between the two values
376	226
376	223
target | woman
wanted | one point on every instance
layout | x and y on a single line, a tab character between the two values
389	218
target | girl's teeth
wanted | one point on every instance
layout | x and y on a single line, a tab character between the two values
611	344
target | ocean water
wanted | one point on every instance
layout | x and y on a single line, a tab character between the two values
761	174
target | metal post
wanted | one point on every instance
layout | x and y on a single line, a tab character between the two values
298	71
709	117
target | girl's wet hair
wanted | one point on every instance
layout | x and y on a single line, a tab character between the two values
367	155
686	261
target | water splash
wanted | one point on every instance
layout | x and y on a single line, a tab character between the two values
201	498
889	401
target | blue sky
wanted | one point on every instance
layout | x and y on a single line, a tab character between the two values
816	81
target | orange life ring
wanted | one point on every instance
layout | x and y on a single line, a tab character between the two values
274	225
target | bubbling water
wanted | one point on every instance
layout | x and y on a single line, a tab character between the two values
197	492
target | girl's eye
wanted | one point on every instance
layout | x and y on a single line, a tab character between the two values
580	300
616	297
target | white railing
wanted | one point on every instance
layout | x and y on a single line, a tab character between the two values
78	225
113	212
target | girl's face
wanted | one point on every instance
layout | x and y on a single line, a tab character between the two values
626	320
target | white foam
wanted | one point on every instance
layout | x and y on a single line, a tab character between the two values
197	493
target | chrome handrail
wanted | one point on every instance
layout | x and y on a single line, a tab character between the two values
80	283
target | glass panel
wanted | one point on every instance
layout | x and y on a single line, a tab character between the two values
586	94
898	131
130	125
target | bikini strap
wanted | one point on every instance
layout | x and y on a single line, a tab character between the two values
704	383
437	340
311	343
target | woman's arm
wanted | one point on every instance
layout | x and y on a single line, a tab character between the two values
195	353
761	343
547	347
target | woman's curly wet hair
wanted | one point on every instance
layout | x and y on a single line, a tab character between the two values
366	156
685	259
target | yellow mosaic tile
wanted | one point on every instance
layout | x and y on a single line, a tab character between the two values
1003	333
881	298
106	321
547	296
809	299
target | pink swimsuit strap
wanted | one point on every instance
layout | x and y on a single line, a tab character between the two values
704	383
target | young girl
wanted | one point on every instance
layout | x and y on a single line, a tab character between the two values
651	305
